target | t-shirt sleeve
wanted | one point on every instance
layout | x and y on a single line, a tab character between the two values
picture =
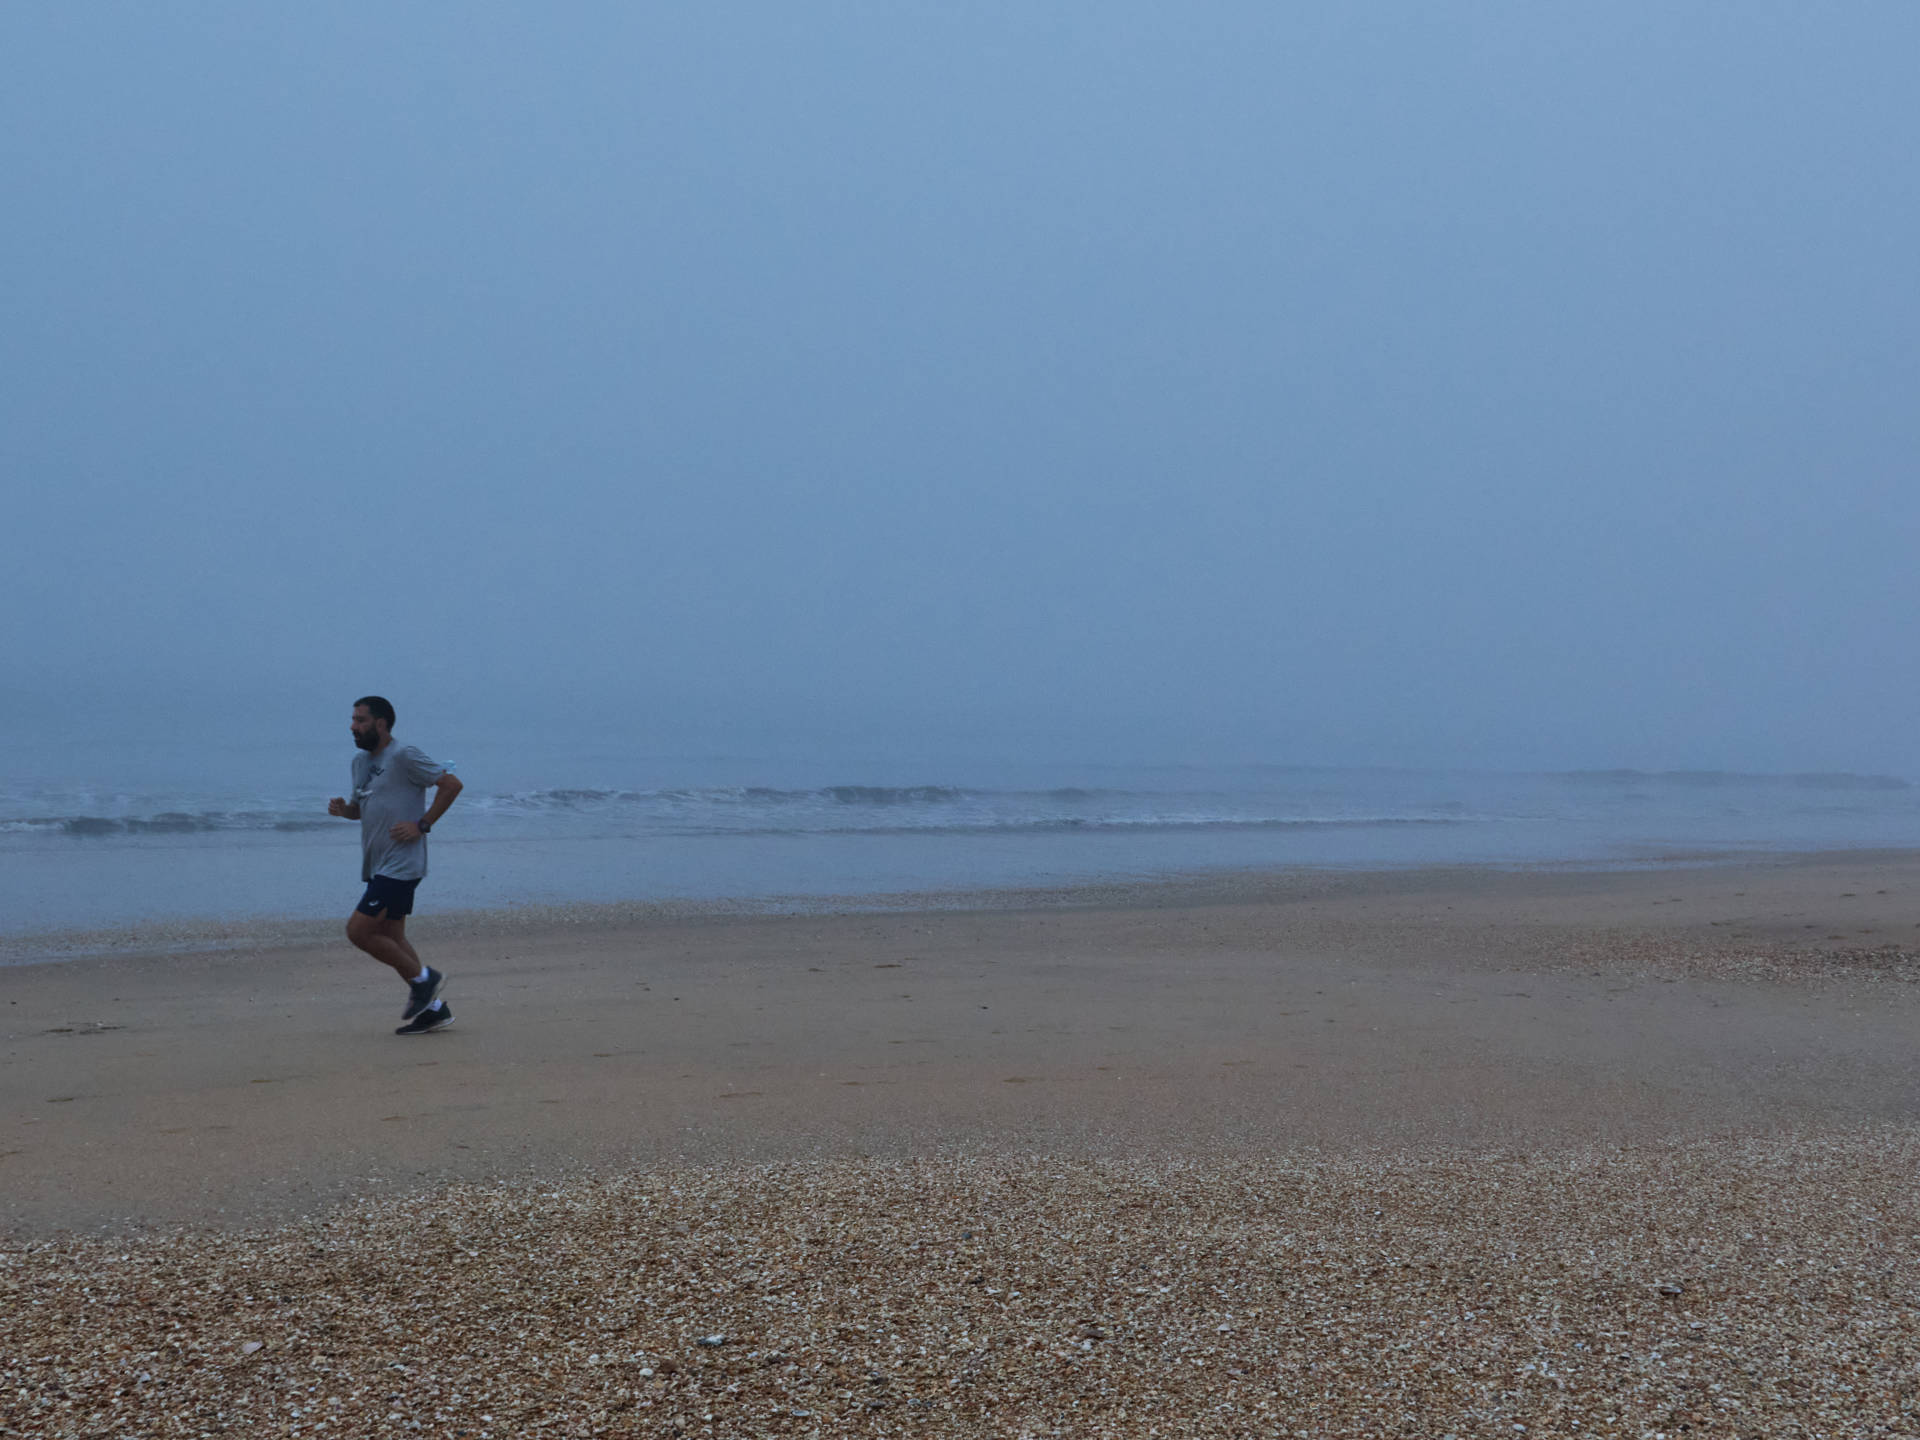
419	768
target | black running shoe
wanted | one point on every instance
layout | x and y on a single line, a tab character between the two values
427	1021
422	993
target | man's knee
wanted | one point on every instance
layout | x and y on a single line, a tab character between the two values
362	928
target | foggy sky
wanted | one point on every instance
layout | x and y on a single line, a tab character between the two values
1507	385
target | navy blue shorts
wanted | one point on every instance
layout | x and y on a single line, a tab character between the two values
388	894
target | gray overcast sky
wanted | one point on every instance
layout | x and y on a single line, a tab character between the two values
1509	384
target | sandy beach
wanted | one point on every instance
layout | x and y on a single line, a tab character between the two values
1007	1158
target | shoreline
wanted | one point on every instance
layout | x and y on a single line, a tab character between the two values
211	935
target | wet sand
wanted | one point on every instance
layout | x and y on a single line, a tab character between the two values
1236	1016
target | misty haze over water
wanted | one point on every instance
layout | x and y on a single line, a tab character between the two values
1107	438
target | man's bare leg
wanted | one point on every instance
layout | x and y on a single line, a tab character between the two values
386	941
399	933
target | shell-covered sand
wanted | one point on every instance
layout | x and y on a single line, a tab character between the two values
1734	1287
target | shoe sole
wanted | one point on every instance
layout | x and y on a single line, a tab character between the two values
430	1030
413	1009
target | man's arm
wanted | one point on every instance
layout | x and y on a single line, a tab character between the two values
341	808
445	791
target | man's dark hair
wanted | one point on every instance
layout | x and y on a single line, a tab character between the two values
379	707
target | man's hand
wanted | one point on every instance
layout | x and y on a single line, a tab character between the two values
339	807
445	791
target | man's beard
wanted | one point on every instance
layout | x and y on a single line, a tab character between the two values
367	739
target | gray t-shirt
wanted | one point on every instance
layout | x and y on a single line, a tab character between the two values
391	786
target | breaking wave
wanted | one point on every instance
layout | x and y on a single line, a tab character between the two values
927	810
1754	805
167	822
767	811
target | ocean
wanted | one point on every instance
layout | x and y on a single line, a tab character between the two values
197	838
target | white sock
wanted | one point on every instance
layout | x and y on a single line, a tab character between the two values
424	972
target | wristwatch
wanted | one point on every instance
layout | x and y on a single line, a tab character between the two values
423	825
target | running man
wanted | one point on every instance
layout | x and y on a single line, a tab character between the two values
390	784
